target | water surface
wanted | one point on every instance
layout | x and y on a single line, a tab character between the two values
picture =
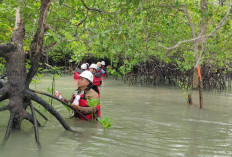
147	121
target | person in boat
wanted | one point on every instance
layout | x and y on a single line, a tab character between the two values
96	75
86	90
78	71
103	69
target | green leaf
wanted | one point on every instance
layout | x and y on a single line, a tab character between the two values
105	122
92	102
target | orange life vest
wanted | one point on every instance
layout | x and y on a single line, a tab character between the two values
76	75
96	80
84	103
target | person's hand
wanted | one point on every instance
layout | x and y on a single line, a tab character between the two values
58	95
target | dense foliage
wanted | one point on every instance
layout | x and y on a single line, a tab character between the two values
131	35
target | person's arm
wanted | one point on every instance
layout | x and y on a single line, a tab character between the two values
66	100
85	110
61	97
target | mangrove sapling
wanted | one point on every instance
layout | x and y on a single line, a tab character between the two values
93	103
186	88
105	122
49	90
55	71
37	79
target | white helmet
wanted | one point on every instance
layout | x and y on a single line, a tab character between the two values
88	75
84	66
103	63
93	66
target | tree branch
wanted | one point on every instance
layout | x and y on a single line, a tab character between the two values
92	9
36	47
221	23
66	5
190	21
82	21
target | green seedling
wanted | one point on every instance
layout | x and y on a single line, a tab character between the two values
37	79
49	90
185	89
92	102
105	122
55	71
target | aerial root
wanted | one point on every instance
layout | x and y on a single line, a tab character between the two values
41	114
9	127
3	108
35	123
50	109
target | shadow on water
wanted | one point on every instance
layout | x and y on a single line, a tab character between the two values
147	121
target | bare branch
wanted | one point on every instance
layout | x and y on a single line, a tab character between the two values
66	5
92	9
221	23
82	21
99	10
190	21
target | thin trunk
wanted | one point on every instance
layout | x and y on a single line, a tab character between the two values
190	101
200	87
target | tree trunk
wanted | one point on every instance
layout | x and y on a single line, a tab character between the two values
16	89
195	78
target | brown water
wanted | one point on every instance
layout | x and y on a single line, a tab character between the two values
147	121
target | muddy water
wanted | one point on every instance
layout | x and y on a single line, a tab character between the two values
147	121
